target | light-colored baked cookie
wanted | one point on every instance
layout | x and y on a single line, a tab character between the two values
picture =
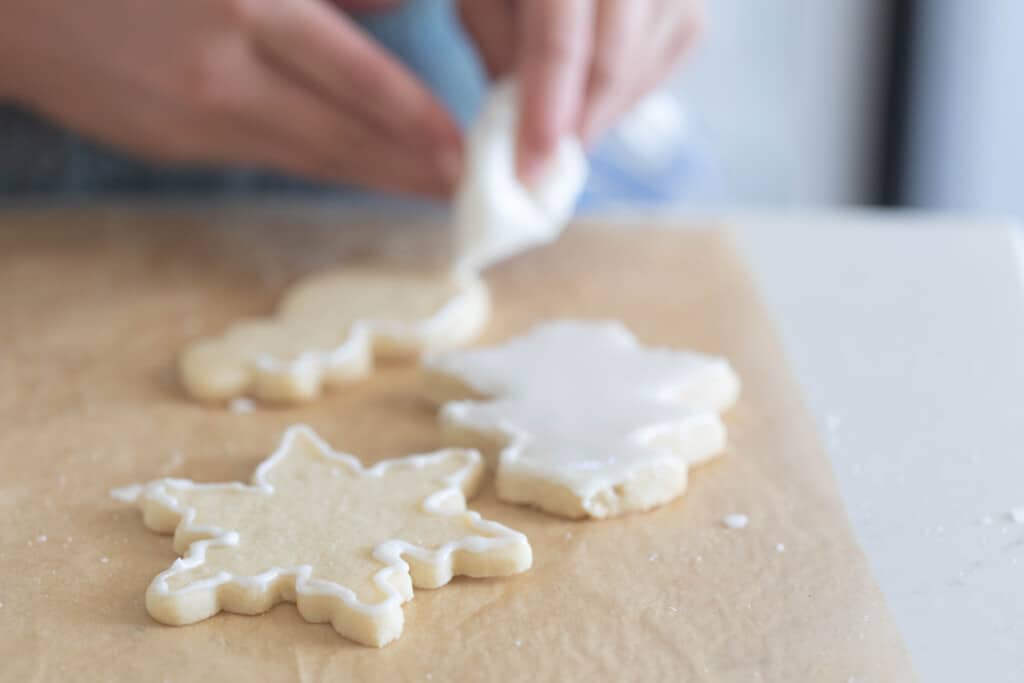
343	542
329	328
581	419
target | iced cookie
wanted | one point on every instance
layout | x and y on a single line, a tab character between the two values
585	421
329	328
343	542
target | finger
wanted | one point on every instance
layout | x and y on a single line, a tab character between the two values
653	57
555	46
618	38
682	39
314	41
489	23
306	135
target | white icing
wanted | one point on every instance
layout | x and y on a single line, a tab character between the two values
582	404
497	216
736	520
447	500
780	547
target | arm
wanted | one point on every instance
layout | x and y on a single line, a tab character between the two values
290	85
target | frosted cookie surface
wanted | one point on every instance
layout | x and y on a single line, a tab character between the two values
586	421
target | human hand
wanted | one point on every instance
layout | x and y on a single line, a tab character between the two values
580	63
290	85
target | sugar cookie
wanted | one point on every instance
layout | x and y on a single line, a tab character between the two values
328	329
343	542
587	421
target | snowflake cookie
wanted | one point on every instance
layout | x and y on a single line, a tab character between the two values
346	543
587	422
328	329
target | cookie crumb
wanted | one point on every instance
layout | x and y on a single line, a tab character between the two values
41	538
1017	515
127	494
104	560
568	535
735	520
519	643
673	610
241	405
780	547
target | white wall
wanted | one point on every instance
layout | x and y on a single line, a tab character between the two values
786	91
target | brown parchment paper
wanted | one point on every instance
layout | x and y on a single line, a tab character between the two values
94	305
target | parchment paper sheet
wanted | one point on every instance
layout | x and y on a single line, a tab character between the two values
94	305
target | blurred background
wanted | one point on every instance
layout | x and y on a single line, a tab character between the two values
784	103
880	102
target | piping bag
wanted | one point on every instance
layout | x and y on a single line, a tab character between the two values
496	215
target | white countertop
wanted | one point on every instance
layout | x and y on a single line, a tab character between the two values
907	335
906	332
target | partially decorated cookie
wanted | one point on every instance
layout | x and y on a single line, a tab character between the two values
583	420
330	327
346	543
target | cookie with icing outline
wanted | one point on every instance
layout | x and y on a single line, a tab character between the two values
329	328
346	543
583	420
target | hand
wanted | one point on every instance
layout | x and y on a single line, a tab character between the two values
290	85
580	63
